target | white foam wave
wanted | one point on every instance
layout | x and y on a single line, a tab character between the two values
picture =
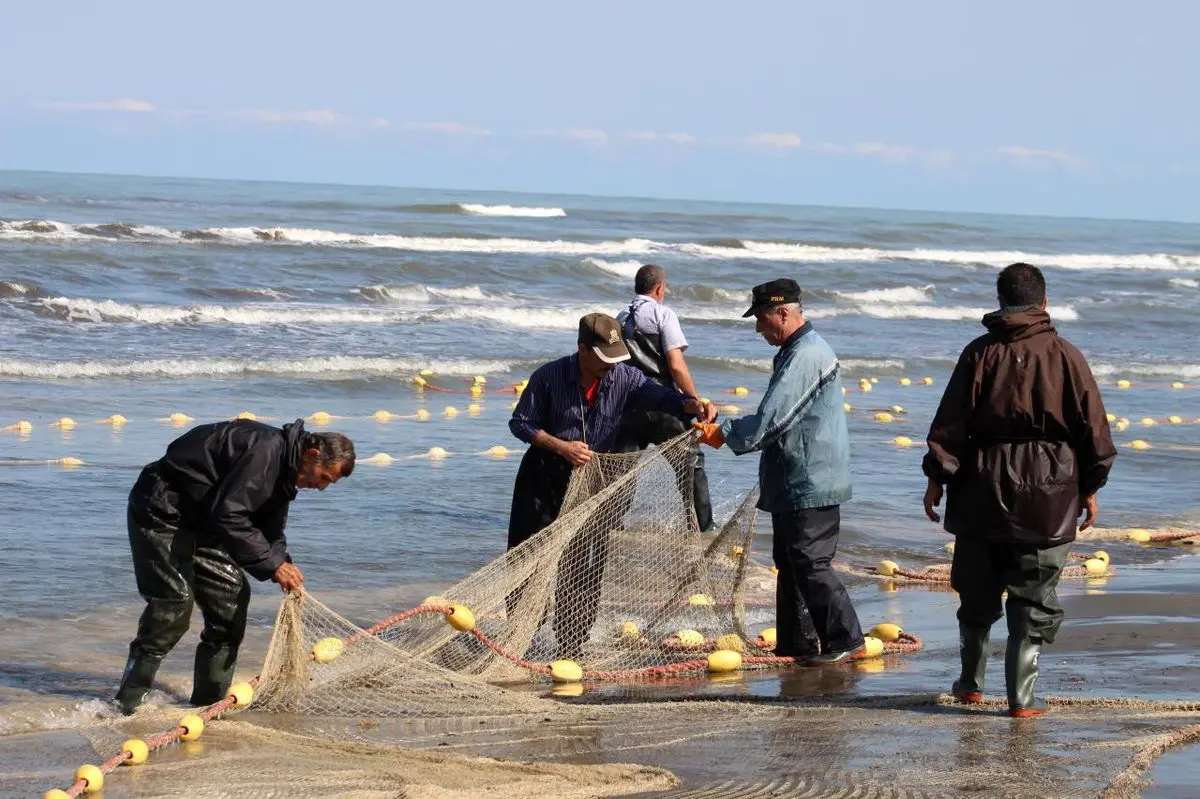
510	210
1185	282
334	367
848	364
750	250
898	294
619	268
1178	371
97	311
422	294
877	310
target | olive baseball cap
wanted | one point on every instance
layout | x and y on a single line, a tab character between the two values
603	334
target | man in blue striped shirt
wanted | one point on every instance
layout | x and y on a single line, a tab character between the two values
571	409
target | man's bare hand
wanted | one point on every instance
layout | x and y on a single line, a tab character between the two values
703	410
576	452
1089	506
289	577
933	498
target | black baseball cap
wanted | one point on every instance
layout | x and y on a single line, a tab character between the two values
775	292
603	334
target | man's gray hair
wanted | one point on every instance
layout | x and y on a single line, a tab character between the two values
793	308
648	278
332	448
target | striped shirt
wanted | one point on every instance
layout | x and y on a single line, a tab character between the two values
555	402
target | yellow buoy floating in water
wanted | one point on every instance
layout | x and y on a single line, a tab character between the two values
1139	444
741	391
178	418
248	416
565	671
426	372
1095	567
69	462
1148	422
116	420
380	459
1139	535
1111	417
884	417
902	441
321	417
847	407
419	382
383	416
887	568
927	381
904	381
1178	384
1123	384
477	391
65	423
724	660
898	409
1175	419
498	451
422	415
1122	425
1100	554
450	411
887	632
437	453
474	409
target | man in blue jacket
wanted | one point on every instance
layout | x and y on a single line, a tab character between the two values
804	477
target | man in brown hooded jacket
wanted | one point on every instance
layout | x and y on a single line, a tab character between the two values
1022	442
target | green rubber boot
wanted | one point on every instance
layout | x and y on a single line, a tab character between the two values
136	680
1020	675
212	674
972	649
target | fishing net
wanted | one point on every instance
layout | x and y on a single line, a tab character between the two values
622	584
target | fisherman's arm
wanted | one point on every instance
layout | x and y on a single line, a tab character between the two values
781	407
531	418
244	489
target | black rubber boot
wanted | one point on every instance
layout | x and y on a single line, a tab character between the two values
136	680
1020	676
972	649
213	673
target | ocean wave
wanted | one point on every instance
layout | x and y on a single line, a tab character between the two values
510	210
619	268
237	293
11	288
1185	282
1179	371
421	294
111	311
898	294
745	249
333	367
854	365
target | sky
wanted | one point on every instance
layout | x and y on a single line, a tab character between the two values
1060	108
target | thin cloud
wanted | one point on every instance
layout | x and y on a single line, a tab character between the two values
649	135
448	127
318	116
888	152
1031	154
586	135
124	104
780	141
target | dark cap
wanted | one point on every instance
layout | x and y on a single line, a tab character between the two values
603	334
776	292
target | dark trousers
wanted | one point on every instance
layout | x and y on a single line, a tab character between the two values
982	571
640	429
811	604
538	495
173	571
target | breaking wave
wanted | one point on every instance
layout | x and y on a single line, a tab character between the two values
333	367
734	250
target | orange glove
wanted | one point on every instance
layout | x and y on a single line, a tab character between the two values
710	433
